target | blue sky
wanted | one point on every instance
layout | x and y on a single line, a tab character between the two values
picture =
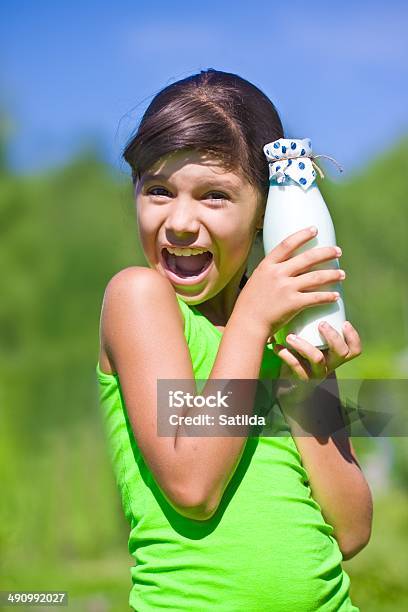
78	72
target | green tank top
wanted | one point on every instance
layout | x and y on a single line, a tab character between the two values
267	548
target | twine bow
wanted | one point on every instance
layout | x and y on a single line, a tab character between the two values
294	159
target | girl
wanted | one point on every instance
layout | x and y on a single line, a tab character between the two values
236	522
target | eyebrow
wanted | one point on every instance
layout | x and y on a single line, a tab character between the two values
153	177
228	184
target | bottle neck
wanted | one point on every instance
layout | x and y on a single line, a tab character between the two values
288	182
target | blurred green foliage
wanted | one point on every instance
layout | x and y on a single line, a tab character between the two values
64	234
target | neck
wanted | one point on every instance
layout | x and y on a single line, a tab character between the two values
218	309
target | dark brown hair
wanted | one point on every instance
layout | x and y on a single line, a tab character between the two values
216	112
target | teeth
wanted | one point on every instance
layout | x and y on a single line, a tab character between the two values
186	252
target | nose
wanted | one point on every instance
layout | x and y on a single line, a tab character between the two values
182	219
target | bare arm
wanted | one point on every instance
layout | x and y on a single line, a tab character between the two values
143	335
142	331
336	479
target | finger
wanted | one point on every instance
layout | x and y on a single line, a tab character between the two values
311	353
338	347
317	278
353	340
317	298
285	248
316	255
298	367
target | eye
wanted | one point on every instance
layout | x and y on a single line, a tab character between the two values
222	199
150	191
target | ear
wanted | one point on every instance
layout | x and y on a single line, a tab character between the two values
260	222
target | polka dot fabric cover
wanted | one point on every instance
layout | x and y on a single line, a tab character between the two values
298	167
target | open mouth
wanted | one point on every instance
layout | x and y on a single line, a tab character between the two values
187	266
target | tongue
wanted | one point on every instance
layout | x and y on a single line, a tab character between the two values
190	266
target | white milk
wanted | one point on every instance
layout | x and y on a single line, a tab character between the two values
290	208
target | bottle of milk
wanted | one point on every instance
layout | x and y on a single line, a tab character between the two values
294	203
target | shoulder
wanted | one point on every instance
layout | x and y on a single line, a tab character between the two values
137	296
138	279
138	287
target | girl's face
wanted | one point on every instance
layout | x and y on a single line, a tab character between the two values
187	199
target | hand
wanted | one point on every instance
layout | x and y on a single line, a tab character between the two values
284	284
306	362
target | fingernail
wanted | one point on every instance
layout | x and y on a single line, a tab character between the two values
291	337
313	229
323	324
